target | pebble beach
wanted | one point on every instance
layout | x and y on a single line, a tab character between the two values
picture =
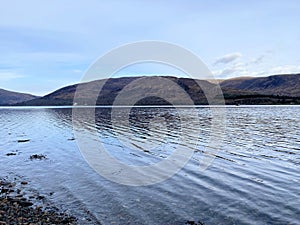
18	206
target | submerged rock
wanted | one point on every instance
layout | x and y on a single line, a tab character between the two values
191	222
36	156
23	140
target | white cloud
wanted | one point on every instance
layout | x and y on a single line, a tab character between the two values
6	76
228	58
286	69
240	70
229	71
236	70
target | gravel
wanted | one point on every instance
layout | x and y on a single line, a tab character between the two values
16	208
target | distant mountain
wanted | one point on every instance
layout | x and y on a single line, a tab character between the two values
11	98
271	91
282	85
112	88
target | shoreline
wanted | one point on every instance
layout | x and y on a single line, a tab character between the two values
19	206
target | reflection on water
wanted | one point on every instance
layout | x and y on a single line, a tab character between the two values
254	179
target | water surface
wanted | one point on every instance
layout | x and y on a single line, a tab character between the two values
254	178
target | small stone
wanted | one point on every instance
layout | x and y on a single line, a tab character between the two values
10	154
4	190
36	156
23	140
25	203
40	197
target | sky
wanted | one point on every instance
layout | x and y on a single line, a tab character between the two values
45	45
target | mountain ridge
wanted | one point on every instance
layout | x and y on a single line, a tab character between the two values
274	89
282	85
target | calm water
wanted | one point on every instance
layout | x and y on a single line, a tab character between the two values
254	179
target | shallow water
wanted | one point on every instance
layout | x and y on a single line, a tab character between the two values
254	178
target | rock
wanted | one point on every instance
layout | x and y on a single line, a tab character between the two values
36	156
4	190
191	222
25	203
40	197
23	140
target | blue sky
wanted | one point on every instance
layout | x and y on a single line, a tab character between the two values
47	44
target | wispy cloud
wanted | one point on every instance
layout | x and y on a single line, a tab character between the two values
286	69
77	71
229	71
251	66
228	58
7	76
258	59
238	69
242	69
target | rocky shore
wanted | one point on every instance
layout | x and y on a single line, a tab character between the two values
20	207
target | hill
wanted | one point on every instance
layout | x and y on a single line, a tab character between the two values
150	86
11	98
149	90
281	85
